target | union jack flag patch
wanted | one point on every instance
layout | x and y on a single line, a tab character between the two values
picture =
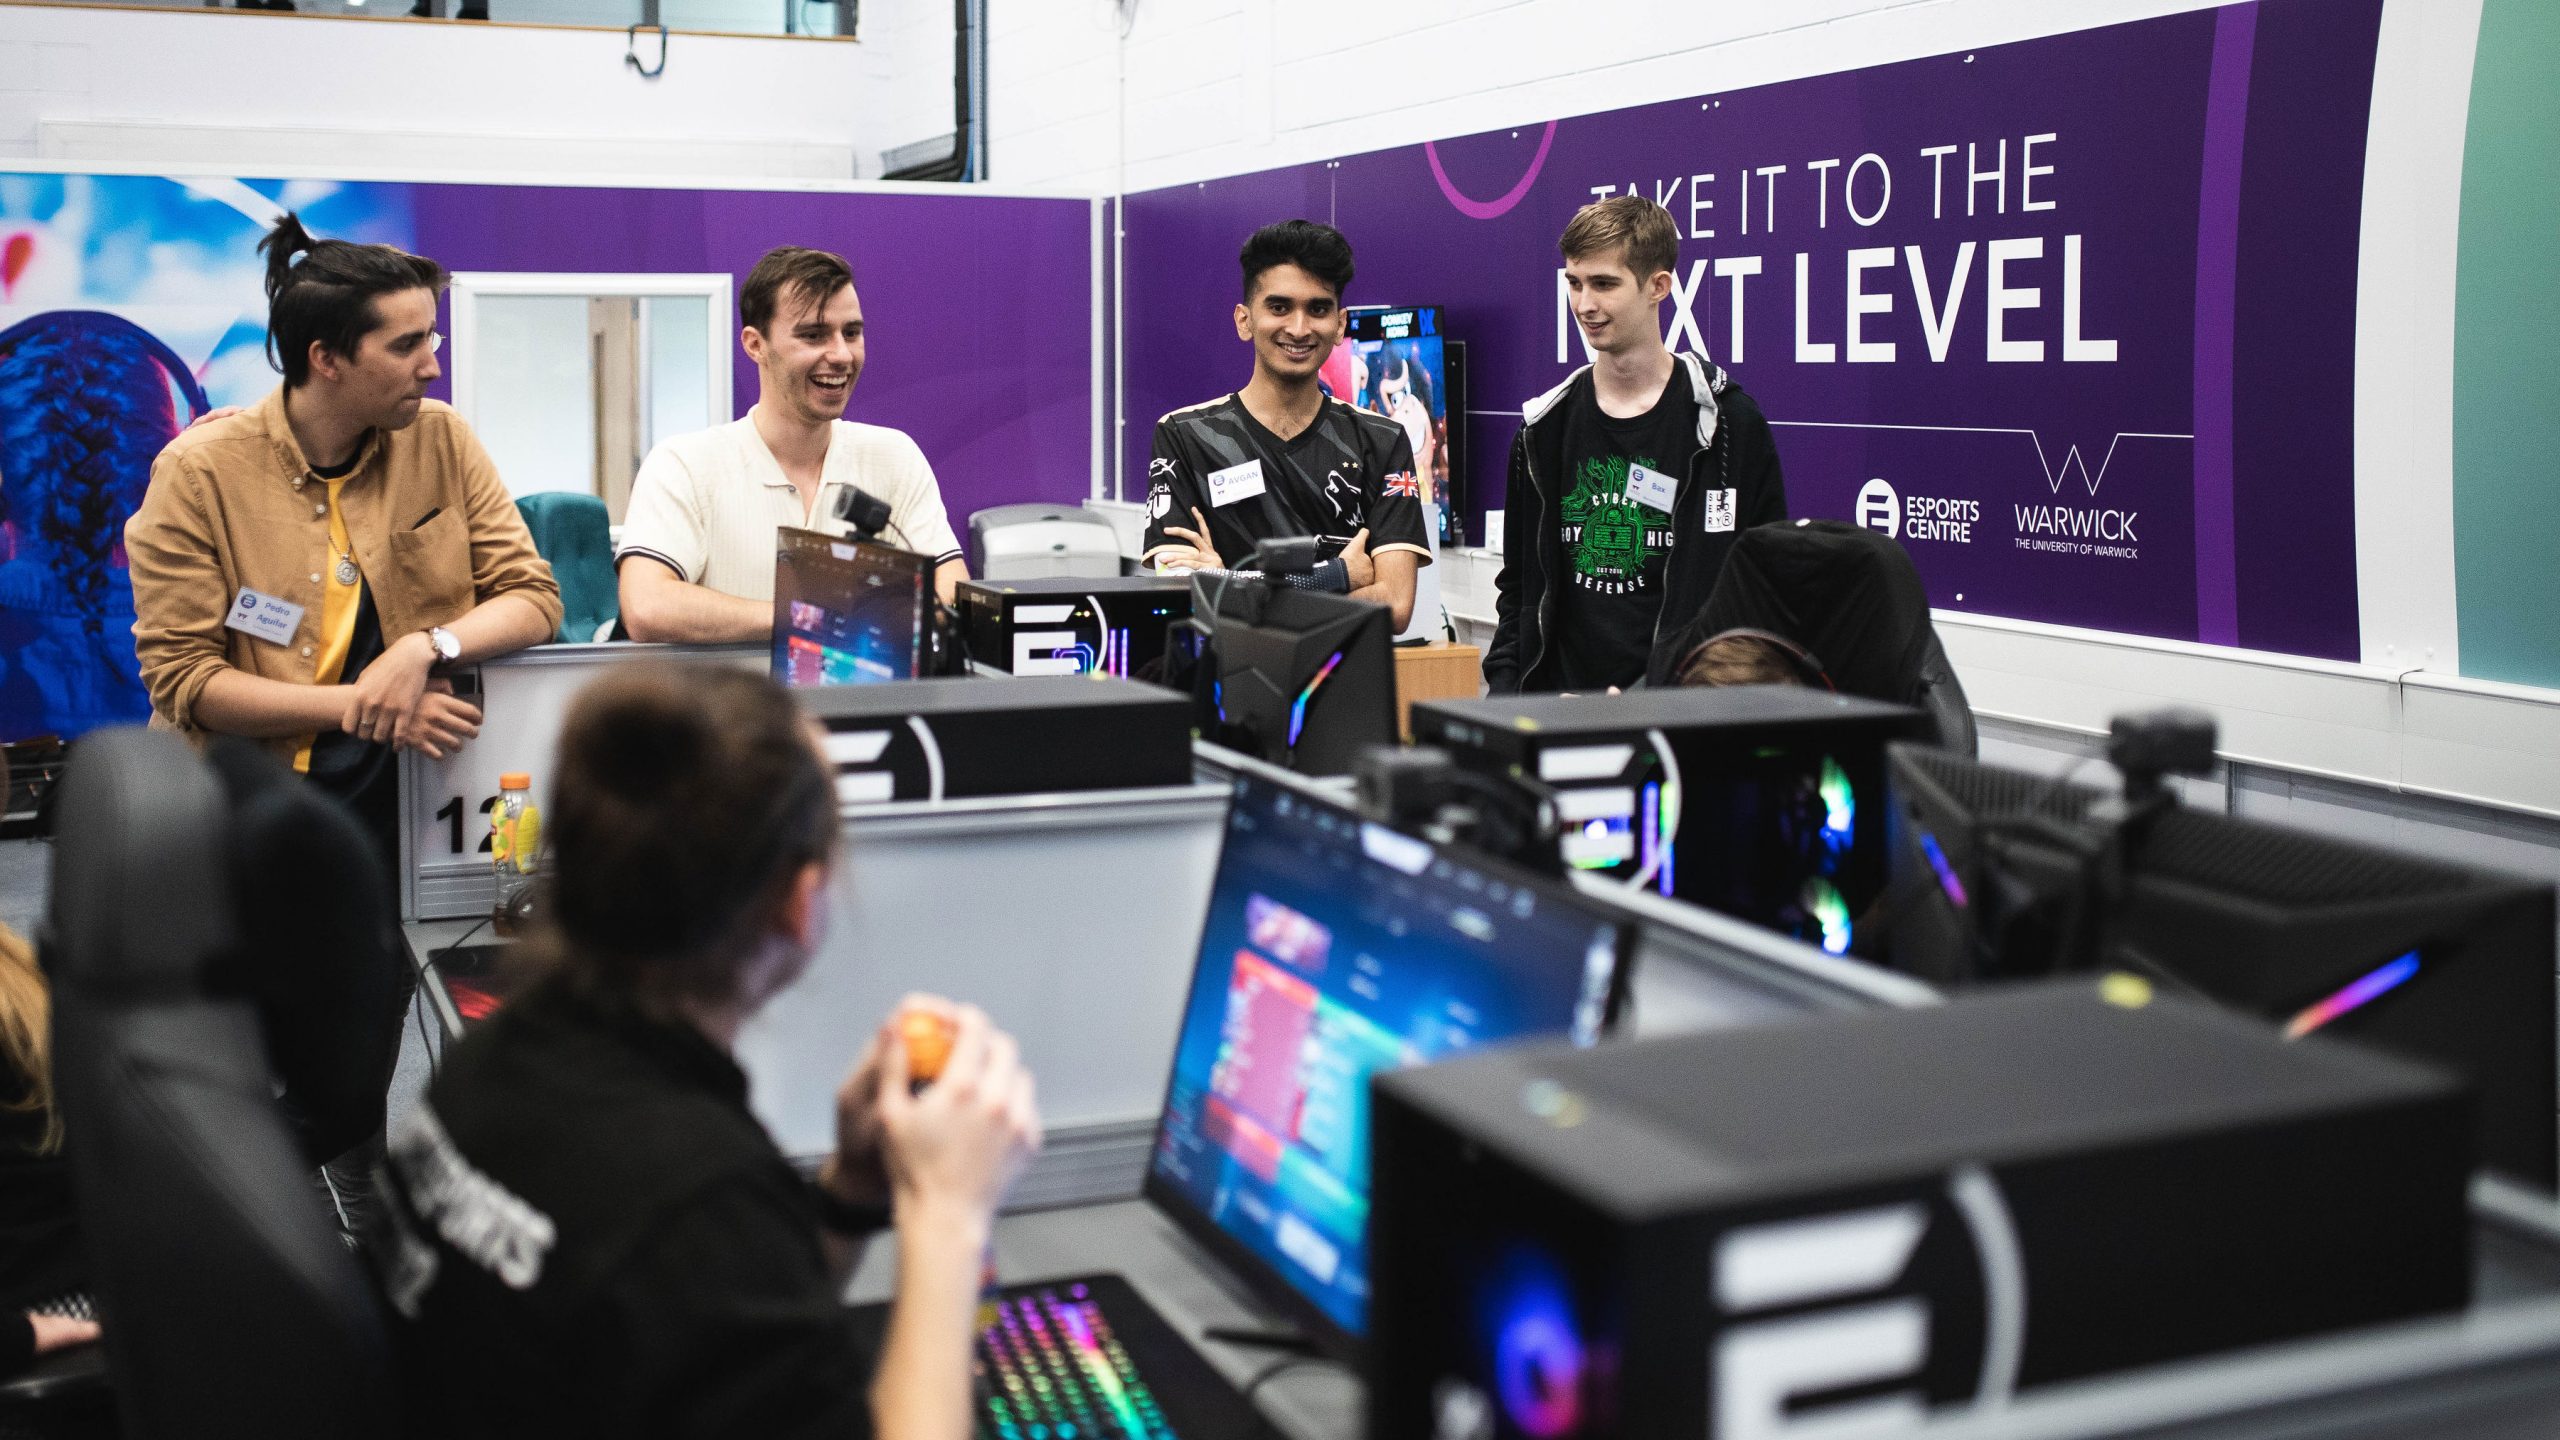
1402	482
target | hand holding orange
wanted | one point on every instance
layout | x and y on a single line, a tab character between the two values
927	1035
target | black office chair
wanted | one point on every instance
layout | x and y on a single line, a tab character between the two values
230	1304
1845	606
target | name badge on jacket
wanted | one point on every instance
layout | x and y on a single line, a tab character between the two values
264	616
1720	509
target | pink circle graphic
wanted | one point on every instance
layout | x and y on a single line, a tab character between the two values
1490	209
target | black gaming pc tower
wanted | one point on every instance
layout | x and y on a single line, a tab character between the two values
1110	625
949	738
1850	1223
1764	802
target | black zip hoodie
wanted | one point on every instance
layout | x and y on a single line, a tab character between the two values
1735	452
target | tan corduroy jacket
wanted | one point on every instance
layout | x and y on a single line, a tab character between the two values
234	506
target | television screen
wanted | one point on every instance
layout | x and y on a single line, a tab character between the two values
1395	362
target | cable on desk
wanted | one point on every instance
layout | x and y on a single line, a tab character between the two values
1285	1362
425	966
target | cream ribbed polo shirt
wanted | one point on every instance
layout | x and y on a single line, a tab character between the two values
706	505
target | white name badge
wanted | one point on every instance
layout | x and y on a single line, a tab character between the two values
1720	507
1651	487
264	616
1236	482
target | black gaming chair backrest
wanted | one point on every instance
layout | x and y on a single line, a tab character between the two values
231	1307
1850	600
1942	698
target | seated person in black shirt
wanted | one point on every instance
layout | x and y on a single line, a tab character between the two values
588	1232
1280	457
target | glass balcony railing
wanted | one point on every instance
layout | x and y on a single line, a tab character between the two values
822	19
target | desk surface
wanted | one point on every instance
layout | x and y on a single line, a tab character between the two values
1310	1400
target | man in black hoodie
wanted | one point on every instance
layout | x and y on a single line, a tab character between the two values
1629	481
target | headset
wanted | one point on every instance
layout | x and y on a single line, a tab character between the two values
1808	669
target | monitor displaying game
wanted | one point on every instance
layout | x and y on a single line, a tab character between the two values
847	612
1334	948
1396	362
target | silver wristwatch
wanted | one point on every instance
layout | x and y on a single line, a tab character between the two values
446	644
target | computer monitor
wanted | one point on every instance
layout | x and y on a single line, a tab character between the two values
1396	362
847	612
1296	678
1999	874
1333	948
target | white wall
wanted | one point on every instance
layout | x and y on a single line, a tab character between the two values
905	69
1220	87
244	90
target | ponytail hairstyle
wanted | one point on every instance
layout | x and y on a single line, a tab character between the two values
328	295
686	803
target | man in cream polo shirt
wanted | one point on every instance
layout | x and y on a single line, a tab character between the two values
695	561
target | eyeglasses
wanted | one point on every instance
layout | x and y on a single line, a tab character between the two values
433	343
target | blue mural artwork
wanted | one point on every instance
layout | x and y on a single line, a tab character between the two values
129	305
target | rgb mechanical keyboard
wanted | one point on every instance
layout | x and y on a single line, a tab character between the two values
1052	1367
1085	1357
1089	1359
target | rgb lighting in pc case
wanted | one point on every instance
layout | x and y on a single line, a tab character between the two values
1764	803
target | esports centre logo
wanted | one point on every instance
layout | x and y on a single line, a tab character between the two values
2051	521
1919	517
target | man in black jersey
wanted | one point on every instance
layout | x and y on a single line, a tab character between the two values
1282	458
1629	481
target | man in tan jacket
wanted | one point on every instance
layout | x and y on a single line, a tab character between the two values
304	571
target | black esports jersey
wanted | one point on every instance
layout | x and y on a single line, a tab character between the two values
1349	470
587	1232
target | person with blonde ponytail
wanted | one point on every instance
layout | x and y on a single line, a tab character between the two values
42	1307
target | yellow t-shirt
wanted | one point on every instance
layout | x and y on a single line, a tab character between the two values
338	607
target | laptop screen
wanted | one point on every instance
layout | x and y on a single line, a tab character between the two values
1335	948
846	612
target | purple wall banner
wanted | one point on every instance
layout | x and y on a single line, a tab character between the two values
976	331
130	304
2073	317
